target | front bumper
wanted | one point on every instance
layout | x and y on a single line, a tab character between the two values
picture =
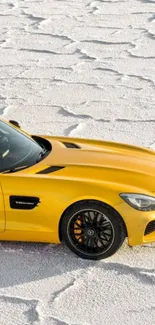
139	224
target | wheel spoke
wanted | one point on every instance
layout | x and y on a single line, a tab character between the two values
78	226
105	225
89	217
105	233
100	220
95	217
86	243
84	219
80	219
81	236
103	237
95	241
92	242
102	243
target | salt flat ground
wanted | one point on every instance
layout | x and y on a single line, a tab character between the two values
78	68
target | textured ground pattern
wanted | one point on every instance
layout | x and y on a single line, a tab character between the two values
78	68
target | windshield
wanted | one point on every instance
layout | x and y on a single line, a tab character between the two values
17	149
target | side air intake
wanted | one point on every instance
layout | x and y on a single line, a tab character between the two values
50	169
71	145
150	227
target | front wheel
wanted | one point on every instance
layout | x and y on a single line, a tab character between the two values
92	231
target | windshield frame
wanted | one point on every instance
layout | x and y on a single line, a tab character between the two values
38	149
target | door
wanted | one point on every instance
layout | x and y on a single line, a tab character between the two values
27	202
2	212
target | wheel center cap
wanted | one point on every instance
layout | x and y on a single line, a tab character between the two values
90	232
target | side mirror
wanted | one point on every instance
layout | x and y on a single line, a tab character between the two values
14	123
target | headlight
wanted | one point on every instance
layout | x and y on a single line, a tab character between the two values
140	202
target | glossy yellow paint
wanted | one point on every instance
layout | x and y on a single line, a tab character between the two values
98	170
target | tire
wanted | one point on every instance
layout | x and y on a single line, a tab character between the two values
92	230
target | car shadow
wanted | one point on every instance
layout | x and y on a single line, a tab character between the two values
27	262
22	262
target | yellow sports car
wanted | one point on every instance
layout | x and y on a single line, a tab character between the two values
91	194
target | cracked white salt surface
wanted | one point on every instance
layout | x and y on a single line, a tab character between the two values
84	69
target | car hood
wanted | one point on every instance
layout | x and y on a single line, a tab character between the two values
72	151
119	163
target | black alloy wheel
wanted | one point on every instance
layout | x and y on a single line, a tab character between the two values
92	230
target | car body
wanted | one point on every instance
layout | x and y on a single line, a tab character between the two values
70	173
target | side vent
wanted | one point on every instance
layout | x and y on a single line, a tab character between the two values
24	202
150	227
50	169
71	145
